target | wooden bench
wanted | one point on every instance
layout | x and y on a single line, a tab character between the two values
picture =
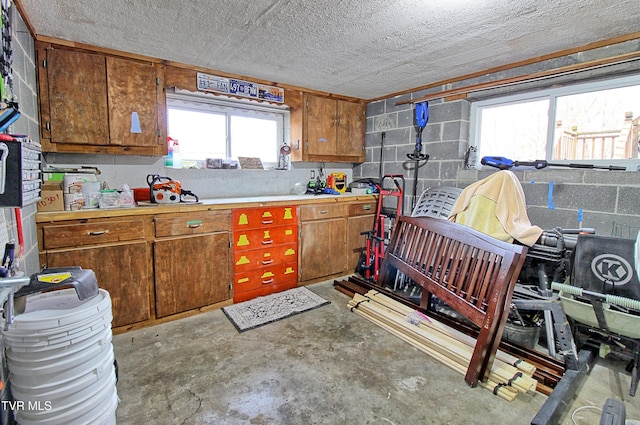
470	271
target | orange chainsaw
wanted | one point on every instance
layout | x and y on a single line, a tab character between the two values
165	190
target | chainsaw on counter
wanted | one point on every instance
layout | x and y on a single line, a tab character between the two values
165	190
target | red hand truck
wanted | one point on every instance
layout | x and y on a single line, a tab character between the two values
391	185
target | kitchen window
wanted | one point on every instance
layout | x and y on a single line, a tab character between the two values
596	122
208	127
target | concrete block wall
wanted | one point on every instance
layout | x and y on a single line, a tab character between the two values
24	92
445	139
610	201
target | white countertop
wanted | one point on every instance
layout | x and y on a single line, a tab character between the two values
269	198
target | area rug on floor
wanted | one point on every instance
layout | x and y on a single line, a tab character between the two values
262	310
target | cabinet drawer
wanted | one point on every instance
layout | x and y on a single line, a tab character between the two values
254	218
251	260
361	208
192	223
264	290
261	238
70	235
321	211
265	276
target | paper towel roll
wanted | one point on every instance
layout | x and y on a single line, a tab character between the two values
73	201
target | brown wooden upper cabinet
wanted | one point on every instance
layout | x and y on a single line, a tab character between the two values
92	102
332	130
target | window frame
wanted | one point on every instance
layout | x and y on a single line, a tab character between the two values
204	102
552	95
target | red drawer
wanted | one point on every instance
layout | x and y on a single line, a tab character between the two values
263	277
265	290
261	238
254	218
250	260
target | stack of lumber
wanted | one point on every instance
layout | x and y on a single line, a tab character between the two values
509	375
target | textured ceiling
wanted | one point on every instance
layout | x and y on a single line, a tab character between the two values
361	48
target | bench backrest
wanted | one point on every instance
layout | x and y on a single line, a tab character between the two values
470	271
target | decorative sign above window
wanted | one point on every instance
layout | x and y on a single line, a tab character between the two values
216	84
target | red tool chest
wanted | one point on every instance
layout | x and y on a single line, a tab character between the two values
265	250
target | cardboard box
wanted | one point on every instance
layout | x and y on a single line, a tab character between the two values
51	197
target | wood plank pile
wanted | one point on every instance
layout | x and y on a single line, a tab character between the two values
548	372
509	375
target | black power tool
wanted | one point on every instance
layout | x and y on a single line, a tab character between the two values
506	164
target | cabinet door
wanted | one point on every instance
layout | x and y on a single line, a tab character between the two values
350	129
191	272
121	269
77	94
133	104
356	243
322	248
320	125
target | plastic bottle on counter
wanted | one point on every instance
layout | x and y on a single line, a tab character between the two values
177	155
168	160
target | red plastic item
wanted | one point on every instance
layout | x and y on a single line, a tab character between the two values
141	194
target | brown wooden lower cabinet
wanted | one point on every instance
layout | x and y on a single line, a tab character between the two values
322	247
122	269
191	272
330	237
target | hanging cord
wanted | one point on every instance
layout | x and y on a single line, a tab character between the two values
382	136
18	218
583	408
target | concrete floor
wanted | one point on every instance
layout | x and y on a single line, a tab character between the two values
325	366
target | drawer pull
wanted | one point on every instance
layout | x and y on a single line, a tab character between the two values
366	207
98	233
267	221
265	262
267	242
324	212
194	224
268	281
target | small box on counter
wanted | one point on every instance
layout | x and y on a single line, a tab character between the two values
51	198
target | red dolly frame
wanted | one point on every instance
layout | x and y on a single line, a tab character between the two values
378	238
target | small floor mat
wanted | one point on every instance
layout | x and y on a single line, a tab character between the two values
271	308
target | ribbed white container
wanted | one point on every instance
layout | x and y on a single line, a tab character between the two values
61	360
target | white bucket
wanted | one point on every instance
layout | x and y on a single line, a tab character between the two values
41	370
62	332
68	414
43	346
49	390
57	392
20	350
48	356
58	308
58	373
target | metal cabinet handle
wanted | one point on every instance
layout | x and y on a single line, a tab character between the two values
267	242
268	281
193	224
265	262
324	212
267	221
98	232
